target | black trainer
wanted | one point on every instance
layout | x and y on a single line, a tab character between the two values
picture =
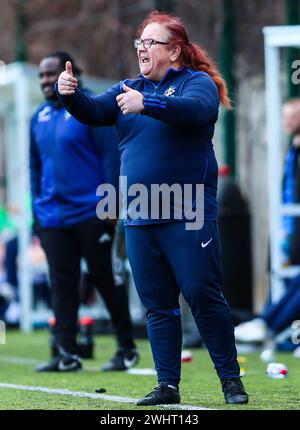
234	391
122	360
163	394
63	362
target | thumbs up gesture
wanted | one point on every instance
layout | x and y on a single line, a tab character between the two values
67	84
69	68
130	101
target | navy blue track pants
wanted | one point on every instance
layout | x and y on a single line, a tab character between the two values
165	260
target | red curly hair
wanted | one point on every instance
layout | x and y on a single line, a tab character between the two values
191	55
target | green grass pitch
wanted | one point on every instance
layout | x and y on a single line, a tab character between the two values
199	386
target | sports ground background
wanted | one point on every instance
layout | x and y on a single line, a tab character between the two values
108	27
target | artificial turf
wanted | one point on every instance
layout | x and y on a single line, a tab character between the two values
199	385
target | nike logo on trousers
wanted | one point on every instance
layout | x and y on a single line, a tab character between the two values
204	245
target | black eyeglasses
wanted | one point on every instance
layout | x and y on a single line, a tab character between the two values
147	43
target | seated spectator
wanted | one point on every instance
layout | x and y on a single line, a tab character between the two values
274	319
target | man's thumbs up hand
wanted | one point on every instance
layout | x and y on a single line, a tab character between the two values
67	84
69	68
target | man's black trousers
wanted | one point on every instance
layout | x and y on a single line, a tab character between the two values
64	247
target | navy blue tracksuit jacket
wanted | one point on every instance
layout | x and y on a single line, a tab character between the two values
171	141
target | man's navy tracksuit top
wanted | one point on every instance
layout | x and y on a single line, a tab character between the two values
68	161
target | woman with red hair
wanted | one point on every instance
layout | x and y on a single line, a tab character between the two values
165	123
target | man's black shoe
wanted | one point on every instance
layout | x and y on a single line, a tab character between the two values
61	363
163	394
122	360
234	391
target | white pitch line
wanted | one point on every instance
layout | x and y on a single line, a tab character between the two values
18	360
84	394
